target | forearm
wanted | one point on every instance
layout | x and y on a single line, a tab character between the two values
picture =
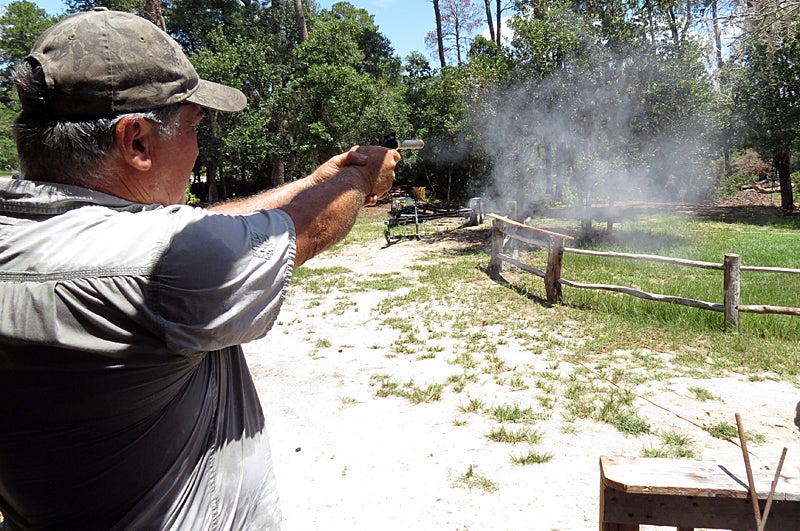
269	199
324	205
324	214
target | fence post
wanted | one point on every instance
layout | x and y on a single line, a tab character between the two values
495	264
733	263
552	276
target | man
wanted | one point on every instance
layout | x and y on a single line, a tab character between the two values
125	399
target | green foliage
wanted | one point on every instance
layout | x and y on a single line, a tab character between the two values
627	84
131	6
20	24
8	149
766	82
346	88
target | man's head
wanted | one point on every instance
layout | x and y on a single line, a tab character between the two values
88	71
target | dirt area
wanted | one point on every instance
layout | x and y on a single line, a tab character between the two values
349	459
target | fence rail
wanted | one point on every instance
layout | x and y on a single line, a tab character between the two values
504	229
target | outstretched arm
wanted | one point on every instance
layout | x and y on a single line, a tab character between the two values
324	205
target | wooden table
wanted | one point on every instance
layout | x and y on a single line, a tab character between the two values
694	494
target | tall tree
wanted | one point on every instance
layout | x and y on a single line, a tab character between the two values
439	36
489	21
767	88
20	25
459	19
191	22
302	29
766	75
152	9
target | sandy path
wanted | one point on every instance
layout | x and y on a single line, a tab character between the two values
347	459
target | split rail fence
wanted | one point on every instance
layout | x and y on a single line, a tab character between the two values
504	229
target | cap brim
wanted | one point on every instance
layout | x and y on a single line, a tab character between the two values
218	97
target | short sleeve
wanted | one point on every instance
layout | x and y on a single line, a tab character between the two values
222	279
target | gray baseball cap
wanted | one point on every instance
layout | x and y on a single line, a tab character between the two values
103	63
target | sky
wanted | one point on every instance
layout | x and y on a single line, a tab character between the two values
404	22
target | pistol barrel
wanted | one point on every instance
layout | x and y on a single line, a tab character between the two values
411	144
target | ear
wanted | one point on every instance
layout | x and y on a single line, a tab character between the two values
134	141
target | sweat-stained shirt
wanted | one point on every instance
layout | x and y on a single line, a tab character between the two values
125	398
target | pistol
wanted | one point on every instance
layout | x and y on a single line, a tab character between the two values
390	141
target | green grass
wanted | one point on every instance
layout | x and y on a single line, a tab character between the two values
320	280
764	342
674	445
594	344
702	394
473	481
725	431
514	436
515	413
387	386
532	457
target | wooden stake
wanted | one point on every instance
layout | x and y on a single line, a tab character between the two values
750	480
772	489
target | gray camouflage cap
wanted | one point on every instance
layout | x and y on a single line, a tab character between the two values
103	63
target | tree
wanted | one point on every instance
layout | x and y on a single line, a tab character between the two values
767	88
346	89
459	19
439	37
302	29
191	22
130	6
152	9
489	21
765	77
21	23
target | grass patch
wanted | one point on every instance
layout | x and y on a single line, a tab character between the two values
674	445
474	405
725	431
516	436
532	457
321	280
514	413
387	386
703	394
473	481
383	282
765	342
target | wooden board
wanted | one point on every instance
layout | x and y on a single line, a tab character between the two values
696	478
692	494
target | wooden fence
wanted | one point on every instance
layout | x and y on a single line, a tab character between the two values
504	229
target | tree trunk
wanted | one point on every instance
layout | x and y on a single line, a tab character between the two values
212	195
457	29
783	163
489	21
717	33
439	36
302	29
152	8
499	15
548	167
277	173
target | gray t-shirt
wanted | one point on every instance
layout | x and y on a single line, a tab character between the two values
125	399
